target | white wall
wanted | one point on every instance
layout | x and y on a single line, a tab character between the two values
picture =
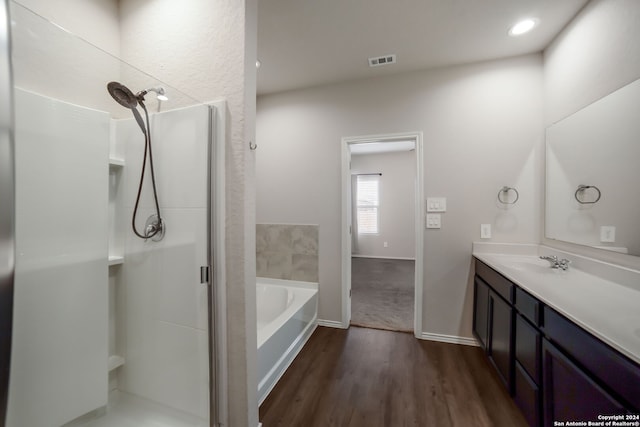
593	56
596	54
482	127
397	200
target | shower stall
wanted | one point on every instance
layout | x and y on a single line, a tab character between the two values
106	296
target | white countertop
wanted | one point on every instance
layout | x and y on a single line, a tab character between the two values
608	309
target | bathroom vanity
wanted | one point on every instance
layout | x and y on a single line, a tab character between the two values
566	344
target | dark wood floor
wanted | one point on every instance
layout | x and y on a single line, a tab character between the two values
368	377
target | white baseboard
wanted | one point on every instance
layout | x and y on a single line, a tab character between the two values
331	324
451	339
382	257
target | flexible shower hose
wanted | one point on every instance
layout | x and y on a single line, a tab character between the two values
147	148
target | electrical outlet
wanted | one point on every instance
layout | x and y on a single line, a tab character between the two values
485	231
607	234
385	244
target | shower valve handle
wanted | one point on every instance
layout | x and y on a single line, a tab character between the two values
154	228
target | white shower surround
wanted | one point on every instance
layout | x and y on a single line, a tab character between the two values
286	317
165	321
199	28
59	354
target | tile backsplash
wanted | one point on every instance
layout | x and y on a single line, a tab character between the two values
287	251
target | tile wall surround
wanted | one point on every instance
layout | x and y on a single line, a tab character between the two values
287	251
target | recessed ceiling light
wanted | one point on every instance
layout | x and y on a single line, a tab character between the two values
523	27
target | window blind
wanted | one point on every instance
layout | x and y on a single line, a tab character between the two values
368	202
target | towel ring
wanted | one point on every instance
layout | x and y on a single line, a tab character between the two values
505	190
581	189
252	146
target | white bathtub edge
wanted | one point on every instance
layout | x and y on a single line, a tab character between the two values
266	332
289	283
278	370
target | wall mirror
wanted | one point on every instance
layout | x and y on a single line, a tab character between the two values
593	174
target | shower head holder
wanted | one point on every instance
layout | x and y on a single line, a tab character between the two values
159	91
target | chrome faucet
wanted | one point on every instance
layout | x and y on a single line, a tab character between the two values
562	264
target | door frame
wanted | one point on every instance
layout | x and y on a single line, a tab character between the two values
419	220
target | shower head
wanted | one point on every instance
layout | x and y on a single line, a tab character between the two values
122	95
127	99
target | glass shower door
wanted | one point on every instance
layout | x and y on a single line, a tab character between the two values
7	254
109	329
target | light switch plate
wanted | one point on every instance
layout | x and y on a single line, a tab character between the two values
433	221
436	204
607	234
485	231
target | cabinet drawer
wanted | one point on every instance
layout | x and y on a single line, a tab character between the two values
501	285
527	396
611	368
528	342
528	306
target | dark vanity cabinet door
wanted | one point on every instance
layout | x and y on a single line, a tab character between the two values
611	371
481	312
569	392
493	319
500	337
527	370
526	394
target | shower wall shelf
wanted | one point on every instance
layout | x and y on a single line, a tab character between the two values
116	352
116	162
115	362
115	260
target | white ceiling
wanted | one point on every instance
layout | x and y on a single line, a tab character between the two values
305	43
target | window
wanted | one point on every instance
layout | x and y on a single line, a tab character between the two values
368	202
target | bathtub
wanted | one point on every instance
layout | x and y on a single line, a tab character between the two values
287	315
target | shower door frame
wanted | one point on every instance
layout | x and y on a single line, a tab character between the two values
7	206
216	292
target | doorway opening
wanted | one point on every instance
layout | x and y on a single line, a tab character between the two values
382	235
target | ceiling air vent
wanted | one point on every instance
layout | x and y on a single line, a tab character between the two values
382	60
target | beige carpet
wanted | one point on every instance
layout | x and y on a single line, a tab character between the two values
382	293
